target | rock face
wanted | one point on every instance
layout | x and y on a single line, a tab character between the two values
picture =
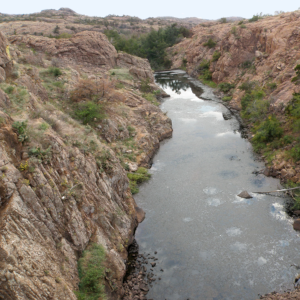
86	48
52	208
271	44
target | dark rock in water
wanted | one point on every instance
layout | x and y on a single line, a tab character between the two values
245	195
296	224
140	214
153	264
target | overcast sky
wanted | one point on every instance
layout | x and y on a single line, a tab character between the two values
208	9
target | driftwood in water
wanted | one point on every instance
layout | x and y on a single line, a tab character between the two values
246	195
284	190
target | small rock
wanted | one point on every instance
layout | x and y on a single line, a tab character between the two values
245	195
161	270
296	224
153	264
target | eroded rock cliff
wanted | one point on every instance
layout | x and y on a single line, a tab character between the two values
63	184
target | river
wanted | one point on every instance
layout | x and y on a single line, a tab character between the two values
210	243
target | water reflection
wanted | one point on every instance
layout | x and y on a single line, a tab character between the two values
178	82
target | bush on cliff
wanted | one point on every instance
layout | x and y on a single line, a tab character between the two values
91	271
267	131
210	43
89	112
140	176
225	87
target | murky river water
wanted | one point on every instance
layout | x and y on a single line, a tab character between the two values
211	244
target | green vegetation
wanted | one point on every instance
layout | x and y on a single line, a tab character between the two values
121	74
227	98
89	112
42	155
140	176
21	128
151	98
223	20
216	56
246	64
267	131
91	272
56	29
254	18
56	72
225	87
152	45
205	74
297	77
210	43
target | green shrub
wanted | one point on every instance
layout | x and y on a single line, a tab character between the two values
243	26
89	112
272	86
295	152
21	128
216	56
227	98
240	22
44	126
133	187
234	30
145	86
151	98
247	86
246	64
204	65
225	87
256	110
56	29
9	89
297	77
54	71
91	271
223	20
210	43
140	176
268	130
44	155
254	18
64	35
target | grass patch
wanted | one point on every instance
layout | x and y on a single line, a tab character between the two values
121	74
151	98
91	272
89	112
140	176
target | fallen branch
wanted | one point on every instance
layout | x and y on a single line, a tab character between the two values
284	190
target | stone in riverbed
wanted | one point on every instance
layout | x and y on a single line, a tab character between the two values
245	195
296	224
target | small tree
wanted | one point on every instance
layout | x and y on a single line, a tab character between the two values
223	20
56	29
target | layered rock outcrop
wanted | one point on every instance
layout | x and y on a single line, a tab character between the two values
263	51
67	188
